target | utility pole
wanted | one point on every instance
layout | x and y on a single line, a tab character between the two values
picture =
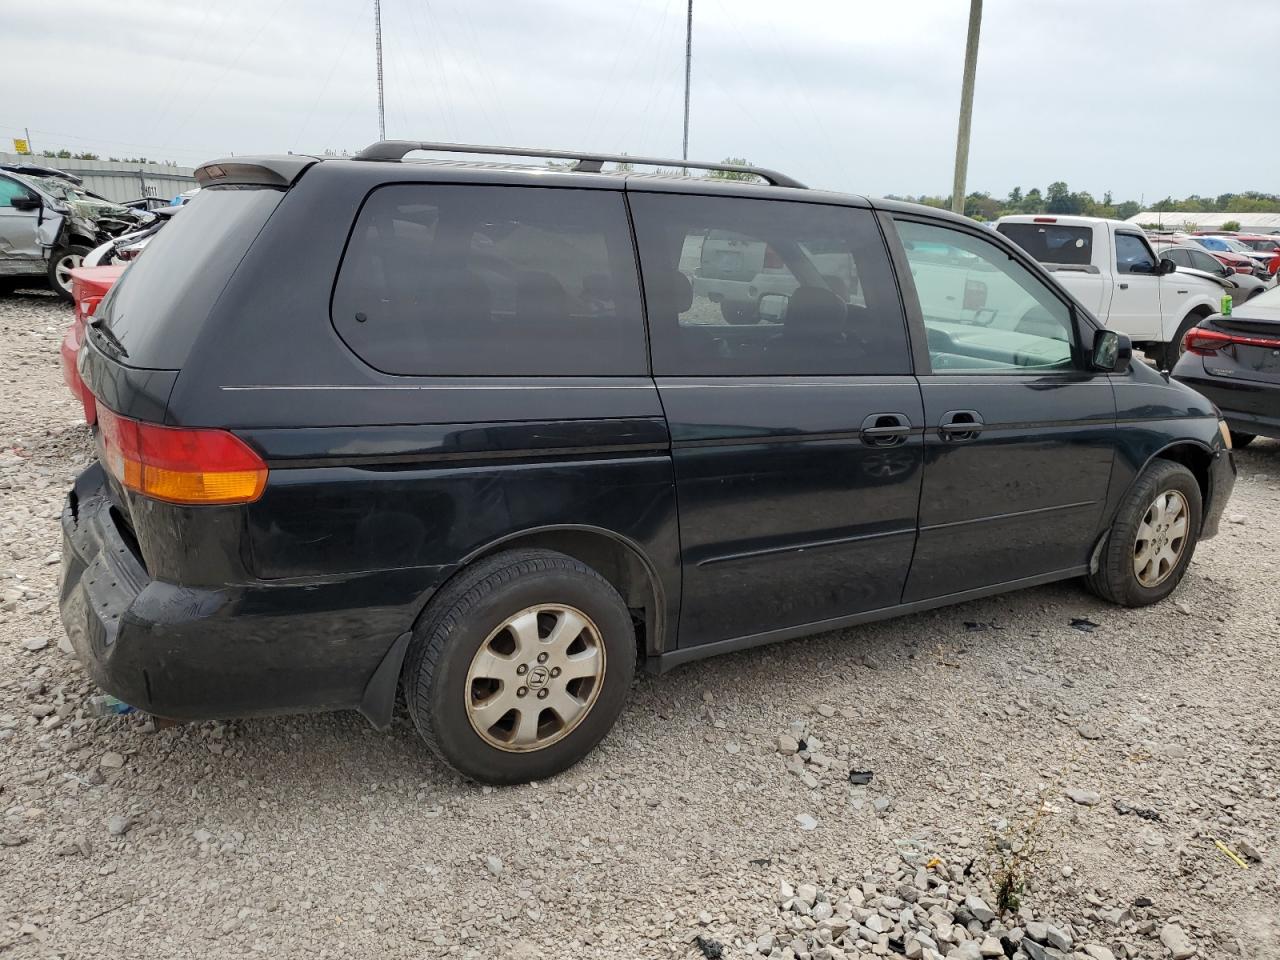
377	35
966	107
688	72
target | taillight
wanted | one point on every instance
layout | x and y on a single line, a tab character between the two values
180	465
1207	342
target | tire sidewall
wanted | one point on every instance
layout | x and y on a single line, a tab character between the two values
1164	477
454	736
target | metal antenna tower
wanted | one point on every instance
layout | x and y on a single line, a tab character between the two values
377	34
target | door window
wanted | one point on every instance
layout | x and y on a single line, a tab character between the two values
11	190
983	311
1181	257
1203	261
1133	255
492	281
737	287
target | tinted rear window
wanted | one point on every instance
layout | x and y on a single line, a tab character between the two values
1051	243
452	280
156	309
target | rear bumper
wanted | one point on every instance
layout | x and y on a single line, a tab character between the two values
1248	407
192	653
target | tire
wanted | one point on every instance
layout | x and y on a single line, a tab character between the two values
1116	578
737	314
1171	352
447	701
63	260
1240	439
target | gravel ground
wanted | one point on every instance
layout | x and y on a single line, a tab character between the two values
318	837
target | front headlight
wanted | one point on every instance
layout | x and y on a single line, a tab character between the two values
1226	433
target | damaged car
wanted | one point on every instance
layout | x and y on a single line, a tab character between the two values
48	222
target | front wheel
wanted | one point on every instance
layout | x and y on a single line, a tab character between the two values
64	260
520	666
1152	538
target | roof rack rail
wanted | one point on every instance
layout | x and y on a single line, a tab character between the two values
586	162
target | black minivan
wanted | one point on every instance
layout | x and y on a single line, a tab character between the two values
466	430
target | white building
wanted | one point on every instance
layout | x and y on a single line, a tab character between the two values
1249	222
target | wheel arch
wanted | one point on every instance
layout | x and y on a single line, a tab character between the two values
1196	456
617	558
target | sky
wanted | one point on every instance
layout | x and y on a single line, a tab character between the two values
1143	98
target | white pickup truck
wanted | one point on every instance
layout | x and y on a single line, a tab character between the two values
1109	266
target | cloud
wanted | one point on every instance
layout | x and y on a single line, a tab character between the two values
856	95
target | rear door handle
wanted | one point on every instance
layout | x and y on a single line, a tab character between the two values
960	426
886	429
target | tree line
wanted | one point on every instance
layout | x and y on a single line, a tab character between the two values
1059	198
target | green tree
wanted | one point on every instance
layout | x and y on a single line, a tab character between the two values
1059	199
733	174
1231	225
1033	202
1014	201
1130	208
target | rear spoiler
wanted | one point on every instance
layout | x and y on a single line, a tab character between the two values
275	171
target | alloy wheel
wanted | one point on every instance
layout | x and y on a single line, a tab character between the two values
66	263
1161	538
535	678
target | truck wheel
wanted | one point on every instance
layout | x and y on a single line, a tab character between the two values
1240	439
61	263
1172	351
738	314
1152	537
520	666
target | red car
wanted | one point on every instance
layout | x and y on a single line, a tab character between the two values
88	286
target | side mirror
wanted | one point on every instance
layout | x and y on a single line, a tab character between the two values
1167	266
1111	352
772	307
25	204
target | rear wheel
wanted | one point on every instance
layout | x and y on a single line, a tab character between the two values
738	314
1172	351
1239	439
520	666
1152	538
64	260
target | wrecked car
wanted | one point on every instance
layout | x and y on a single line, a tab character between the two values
48	222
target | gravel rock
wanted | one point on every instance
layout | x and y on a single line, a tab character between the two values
1176	941
493	865
1087	798
35	644
788	745
111	761
807	822
119	825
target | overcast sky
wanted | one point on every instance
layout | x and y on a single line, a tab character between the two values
1140	97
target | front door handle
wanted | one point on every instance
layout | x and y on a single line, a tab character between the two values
1124	286
960	426
886	429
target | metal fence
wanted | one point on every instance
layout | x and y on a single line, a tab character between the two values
117	181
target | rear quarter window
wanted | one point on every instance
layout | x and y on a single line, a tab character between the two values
159	305
457	280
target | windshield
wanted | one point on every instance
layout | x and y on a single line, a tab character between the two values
1236	245
1214	243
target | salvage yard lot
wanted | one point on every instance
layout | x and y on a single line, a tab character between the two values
318	837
